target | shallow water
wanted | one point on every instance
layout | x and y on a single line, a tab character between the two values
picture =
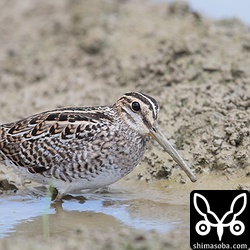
28	215
221	9
160	205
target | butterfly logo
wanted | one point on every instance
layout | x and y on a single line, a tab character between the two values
203	227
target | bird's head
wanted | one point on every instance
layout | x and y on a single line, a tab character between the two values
140	112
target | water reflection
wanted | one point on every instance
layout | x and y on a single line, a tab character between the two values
26	215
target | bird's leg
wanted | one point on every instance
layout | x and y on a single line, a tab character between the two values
54	194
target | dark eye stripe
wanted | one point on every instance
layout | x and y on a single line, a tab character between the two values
148	100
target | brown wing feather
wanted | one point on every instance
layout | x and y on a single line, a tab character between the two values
39	141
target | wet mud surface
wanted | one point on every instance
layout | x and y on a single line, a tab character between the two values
84	53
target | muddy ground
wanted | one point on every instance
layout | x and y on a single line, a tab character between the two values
82	53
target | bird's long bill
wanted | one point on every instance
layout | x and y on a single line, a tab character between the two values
159	137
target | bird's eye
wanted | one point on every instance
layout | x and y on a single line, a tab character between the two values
136	106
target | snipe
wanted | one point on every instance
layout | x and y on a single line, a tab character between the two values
84	147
